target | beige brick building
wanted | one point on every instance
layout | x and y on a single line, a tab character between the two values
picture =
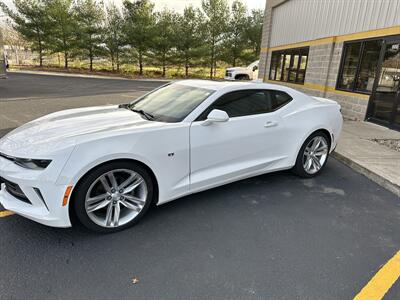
346	50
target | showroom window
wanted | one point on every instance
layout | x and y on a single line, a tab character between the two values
358	67
289	65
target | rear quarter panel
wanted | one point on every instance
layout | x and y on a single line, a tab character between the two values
302	120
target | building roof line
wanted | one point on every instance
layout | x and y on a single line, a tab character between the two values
395	30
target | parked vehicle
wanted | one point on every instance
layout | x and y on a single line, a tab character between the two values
108	164
239	73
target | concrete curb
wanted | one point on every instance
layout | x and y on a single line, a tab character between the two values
49	73
382	181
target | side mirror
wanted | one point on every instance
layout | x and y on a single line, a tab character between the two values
216	115
255	68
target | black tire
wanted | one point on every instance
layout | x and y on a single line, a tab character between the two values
92	176
242	77
299	169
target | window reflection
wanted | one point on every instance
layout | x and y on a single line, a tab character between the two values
293	68
302	69
359	66
349	68
369	62
286	67
289	65
279	67
390	75
384	104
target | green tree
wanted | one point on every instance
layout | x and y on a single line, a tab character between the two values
89	20
189	36
253	32
63	27
217	12
113	36
163	40
139	27
235	39
30	20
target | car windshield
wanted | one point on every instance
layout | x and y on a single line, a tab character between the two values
251	66
170	103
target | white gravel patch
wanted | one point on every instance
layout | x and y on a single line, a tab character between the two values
393	144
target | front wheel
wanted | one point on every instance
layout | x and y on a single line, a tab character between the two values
313	155
242	77
113	196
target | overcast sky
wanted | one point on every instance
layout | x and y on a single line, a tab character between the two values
179	5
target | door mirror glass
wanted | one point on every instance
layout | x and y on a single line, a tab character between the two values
216	115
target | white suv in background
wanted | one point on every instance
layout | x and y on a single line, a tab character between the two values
239	73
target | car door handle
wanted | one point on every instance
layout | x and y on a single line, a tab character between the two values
270	124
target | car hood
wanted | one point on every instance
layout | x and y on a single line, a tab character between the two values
65	128
237	69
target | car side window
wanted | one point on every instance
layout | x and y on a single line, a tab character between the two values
279	99
248	102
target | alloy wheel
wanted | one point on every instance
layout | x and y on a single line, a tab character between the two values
116	198
315	154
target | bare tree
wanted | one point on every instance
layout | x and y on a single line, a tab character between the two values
14	40
30	20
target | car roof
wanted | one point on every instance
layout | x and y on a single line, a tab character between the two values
209	84
231	85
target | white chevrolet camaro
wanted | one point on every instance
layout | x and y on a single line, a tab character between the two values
108	164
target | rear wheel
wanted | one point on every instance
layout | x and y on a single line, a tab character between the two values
113	196
313	155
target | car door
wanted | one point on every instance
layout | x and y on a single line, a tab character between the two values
251	142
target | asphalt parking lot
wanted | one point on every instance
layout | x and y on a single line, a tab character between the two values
24	97
275	236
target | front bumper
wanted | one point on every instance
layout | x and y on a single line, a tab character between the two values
40	188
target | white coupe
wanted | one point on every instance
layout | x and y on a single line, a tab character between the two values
108	164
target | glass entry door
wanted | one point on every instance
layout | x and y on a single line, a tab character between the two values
384	107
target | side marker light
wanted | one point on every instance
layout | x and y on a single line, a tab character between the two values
66	195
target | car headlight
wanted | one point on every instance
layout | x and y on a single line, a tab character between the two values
33	164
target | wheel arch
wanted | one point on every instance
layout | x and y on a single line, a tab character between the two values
326	132
311	132
298	167
71	211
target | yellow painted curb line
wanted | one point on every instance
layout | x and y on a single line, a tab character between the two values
378	286
5	213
